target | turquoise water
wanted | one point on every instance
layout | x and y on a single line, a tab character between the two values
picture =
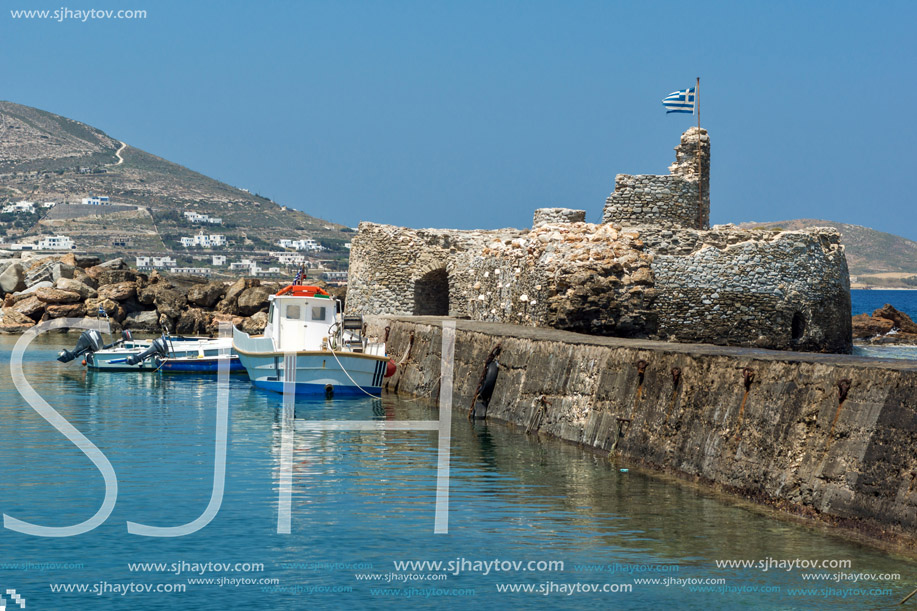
365	500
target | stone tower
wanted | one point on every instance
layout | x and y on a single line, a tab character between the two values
670	201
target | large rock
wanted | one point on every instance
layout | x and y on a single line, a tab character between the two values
65	310
167	301
865	326
31	306
62	270
206	295
228	305
11	316
111	307
75	286
901	320
40	271
119	291
81	275
14	322
147	321
116	276
193	321
253	300
53	295
12	279
83	261
218	317
254	324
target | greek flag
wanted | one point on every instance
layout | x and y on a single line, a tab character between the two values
298	278
102	311
680	101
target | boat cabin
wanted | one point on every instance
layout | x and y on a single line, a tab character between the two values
300	319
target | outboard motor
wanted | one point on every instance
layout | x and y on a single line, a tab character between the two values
159	347
90	341
126	335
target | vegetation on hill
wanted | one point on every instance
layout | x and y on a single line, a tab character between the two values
46	157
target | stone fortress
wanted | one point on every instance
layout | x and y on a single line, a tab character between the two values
651	269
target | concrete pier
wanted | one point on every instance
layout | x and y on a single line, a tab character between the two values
829	437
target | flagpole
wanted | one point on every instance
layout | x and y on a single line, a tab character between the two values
700	169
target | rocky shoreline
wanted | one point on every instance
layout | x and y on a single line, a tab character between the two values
81	286
885	326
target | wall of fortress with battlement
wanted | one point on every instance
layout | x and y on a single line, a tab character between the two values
652	269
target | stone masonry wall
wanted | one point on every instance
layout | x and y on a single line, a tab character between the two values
547	216
576	276
786	290
666	201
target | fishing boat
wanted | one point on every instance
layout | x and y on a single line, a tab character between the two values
308	343
171	354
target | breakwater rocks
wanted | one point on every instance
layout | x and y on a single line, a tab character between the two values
830	437
73	286
885	326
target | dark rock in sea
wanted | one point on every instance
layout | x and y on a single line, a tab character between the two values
885	326
902	321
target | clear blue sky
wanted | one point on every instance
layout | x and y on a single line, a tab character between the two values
472	114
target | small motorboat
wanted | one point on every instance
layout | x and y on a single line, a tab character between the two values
328	351
167	353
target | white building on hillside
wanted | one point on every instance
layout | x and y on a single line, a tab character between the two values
57	242
219	260
196	271
144	263
289	258
196	217
98	200
204	241
304	244
22	207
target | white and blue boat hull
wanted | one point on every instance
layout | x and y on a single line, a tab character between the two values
316	371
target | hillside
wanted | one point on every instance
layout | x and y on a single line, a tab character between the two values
875	258
46	157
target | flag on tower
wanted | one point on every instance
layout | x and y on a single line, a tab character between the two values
680	101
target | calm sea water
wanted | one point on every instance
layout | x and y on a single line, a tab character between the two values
363	501
868	301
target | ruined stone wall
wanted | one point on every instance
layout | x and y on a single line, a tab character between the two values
652	269
394	270
548	216
825	436
576	276
666	201
786	290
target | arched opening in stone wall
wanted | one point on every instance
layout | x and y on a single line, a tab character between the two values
431	294
797	326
